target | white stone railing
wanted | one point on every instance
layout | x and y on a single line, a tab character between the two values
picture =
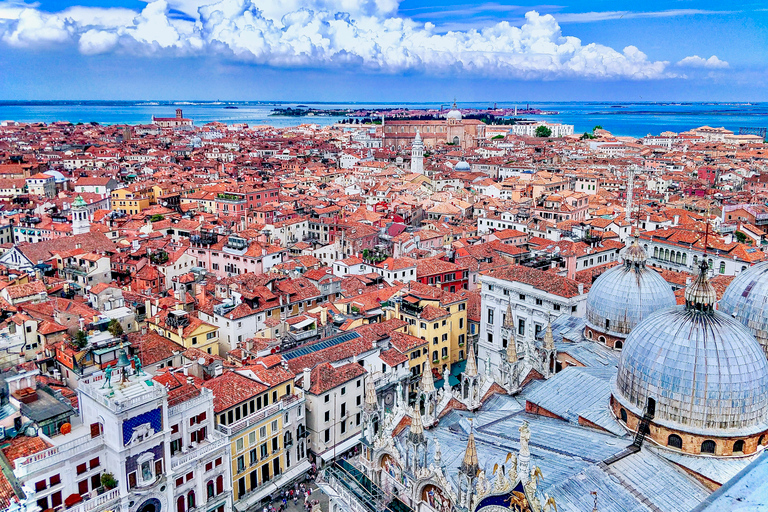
203	397
43	459
201	451
100	502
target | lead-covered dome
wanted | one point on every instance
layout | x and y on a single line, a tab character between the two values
622	296
703	371
746	299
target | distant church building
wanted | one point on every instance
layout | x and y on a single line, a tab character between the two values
463	133
172	122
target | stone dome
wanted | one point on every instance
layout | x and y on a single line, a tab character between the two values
462	166
746	299
624	295
703	371
454	113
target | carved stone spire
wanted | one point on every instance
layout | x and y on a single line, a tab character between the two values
416	431
470	465
371	404
511	350
471	369
427	381
508	322
549	340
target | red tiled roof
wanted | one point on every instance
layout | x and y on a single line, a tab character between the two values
231	388
545	281
325	377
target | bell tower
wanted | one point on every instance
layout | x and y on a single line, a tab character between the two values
80	220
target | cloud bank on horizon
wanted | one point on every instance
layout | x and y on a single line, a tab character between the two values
367	34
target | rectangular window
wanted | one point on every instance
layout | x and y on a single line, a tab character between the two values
522	297
327	435
81	468
263	450
275	445
521	327
490	316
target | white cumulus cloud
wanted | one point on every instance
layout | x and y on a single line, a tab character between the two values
695	61
362	34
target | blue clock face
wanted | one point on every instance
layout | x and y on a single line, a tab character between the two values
151	505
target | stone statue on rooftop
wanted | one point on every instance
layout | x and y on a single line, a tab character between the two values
137	364
107	378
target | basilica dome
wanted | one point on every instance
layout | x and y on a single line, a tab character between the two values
697	370
622	296
462	166
454	113
746	299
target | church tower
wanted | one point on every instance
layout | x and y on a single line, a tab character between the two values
80	221
417	155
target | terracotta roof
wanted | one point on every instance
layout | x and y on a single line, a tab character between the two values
23	446
231	388
325	377
545	281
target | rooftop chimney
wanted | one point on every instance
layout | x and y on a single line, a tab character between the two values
306	380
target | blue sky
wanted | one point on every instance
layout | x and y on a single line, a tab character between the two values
383	50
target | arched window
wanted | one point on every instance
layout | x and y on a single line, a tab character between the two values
655	252
601	339
738	446
685	259
589	334
675	441
722	267
219	484
618	345
180	504
623	415
695	259
760	441
191	499
708	446
209	490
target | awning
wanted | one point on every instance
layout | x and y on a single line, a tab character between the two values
456	370
274	486
303	323
328	455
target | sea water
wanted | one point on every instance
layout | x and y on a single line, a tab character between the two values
630	119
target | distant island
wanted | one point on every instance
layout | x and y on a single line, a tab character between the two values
490	115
